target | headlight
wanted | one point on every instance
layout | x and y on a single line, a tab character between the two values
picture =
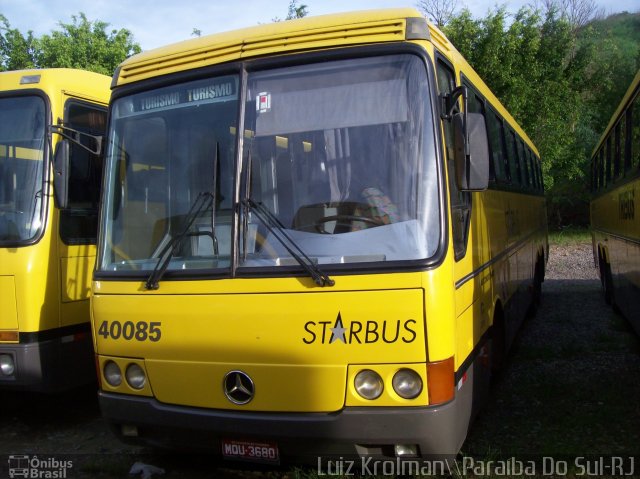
407	384
369	384
112	374
7	366
135	376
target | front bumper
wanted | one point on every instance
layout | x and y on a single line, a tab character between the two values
354	432
50	365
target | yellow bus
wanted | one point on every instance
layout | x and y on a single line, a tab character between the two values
47	248
615	176
312	245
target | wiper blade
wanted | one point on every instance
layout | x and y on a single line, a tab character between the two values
277	229
202	202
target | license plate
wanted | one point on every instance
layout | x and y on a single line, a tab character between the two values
251	451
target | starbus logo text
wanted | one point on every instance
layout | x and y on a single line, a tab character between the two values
359	332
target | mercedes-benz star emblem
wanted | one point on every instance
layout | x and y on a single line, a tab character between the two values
238	387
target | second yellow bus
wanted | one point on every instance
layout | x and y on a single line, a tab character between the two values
615	228
47	247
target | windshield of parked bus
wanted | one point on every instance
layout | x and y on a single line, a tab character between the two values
343	156
22	139
340	154
168	149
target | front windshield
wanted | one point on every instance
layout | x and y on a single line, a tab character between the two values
170	148
22	139
341	154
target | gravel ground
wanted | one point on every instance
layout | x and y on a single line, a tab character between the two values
570	388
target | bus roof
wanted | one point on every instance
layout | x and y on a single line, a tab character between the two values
323	31
309	33
74	81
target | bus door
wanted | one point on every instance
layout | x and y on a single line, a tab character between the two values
78	222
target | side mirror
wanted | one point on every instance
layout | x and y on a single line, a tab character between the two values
471	152
61	174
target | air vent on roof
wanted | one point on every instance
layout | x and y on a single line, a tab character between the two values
219	52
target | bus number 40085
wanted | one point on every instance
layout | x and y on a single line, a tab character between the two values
140	331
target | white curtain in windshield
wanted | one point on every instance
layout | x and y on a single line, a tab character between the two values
344	157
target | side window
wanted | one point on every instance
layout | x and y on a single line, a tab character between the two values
460	201
601	165
446	84
616	152
634	132
522	163
608	167
79	223
624	145
496	143
533	180
534	173
475	103
539	168
514	165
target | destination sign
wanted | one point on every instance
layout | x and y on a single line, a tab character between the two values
208	91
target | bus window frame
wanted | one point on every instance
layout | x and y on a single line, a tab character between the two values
460	250
618	172
525	181
522	161
47	158
618	138
608	167
634	109
499	122
628	140
71	210
243	68
259	64
511	140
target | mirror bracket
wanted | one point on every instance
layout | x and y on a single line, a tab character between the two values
76	137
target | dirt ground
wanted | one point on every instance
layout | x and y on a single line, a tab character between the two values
570	388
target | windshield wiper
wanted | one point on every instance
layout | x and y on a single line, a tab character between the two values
276	228
202	202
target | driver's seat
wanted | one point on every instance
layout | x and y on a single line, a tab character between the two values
310	217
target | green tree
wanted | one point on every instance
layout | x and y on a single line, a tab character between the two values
549	78
85	44
82	44
16	50
297	11
294	11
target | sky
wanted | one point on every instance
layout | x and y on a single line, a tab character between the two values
155	23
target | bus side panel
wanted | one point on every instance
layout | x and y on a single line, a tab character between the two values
615	235
9	316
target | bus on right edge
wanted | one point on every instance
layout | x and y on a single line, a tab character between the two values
615	178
